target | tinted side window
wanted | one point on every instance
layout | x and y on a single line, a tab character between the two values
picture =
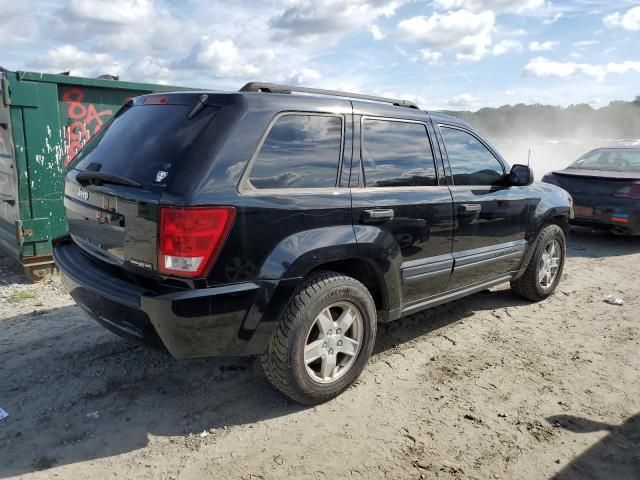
396	154
471	162
300	151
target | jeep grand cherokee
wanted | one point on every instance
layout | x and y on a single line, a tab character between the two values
286	225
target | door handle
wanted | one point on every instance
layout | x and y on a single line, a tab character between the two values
469	207
378	215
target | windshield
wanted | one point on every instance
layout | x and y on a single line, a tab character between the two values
616	159
144	143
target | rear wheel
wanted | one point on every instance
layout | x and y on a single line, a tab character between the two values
324	339
544	271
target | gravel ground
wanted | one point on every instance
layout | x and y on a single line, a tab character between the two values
487	387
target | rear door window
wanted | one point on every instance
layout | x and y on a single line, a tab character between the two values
471	162
397	154
144	143
300	151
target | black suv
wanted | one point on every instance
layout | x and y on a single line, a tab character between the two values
268	222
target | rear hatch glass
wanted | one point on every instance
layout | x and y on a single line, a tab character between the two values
145	143
115	184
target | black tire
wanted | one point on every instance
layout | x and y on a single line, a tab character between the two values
528	286
283	363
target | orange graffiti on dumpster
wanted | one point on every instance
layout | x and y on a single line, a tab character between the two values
84	119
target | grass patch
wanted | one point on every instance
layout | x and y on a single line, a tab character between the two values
21	296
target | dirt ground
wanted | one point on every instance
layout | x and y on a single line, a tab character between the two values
487	387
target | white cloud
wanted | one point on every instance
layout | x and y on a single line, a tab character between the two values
376	33
624	67
493	5
18	23
517	33
430	56
78	62
506	46
466	33
304	76
542	46
149	69
542	67
220	57
630	20
114	11
311	21
586	43
464	101
554	19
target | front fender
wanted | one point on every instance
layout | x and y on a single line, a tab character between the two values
553	203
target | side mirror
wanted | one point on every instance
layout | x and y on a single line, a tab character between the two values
521	176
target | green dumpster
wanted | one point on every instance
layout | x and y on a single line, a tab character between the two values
44	121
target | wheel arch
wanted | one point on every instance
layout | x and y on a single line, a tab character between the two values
553	217
365	272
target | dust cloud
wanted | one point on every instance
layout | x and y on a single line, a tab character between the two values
556	136
551	154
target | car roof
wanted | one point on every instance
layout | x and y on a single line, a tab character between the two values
297	101
439	117
618	147
360	107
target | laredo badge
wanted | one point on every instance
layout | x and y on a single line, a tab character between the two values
161	175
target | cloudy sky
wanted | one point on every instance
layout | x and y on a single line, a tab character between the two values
441	53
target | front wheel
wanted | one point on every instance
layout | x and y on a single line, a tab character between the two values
544	271
324	339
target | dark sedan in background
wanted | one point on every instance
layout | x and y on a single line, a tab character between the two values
605	186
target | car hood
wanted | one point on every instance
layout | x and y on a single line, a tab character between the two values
613	174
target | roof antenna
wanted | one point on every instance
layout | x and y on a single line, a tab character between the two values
529	158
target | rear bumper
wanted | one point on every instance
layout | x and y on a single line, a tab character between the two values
608	217
227	320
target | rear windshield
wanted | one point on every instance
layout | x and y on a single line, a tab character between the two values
144	143
618	160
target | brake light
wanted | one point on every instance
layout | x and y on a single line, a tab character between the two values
630	191
156	100
190	238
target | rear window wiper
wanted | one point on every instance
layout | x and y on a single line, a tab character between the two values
98	178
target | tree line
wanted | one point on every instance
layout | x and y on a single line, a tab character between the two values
618	120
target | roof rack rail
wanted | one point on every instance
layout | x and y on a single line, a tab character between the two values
274	88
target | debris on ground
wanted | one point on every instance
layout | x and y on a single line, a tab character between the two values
507	375
613	300
3	414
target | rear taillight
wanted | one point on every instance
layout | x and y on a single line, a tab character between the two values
156	100
630	191
190	238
